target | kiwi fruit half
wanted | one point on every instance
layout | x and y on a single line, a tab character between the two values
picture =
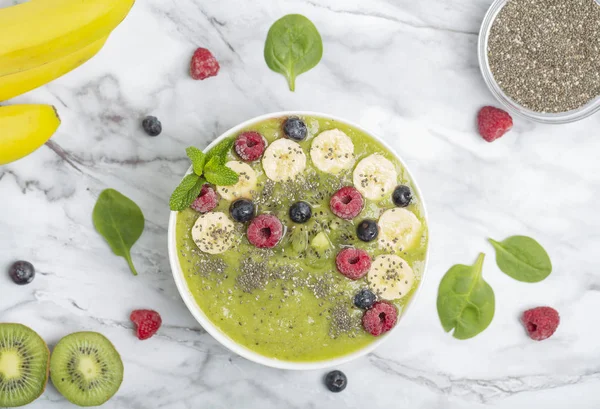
24	364
86	368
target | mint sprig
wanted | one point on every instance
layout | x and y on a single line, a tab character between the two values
207	167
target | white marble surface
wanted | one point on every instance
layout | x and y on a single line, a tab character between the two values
405	69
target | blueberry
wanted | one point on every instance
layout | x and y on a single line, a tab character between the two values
336	381
402	196
367	230
242	210
152	126
300	212
365	299
295	128
22	272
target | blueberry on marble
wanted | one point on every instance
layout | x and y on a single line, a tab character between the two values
402	196
367	230
152	126
242	210
22	272
365	299
295	128
336	381
300	212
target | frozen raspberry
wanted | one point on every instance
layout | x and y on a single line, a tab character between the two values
250	146
346	203
265	231
493	123
206	201
540	322
380	319
353	263
147	322
204	65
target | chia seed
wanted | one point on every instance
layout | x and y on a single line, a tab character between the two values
545	54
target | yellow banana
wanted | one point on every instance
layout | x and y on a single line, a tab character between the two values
12	85
40	31
24	128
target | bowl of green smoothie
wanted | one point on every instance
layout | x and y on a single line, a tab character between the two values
309	248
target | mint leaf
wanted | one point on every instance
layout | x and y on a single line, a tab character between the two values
221	175
198	159
187	191
221	150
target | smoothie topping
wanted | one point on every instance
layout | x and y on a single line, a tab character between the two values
250	146
380	319
213	232
332	151
367	230
242	210
346	203
353	263
375	177
295	128
246	183
284	159
265	231
300	212
399	230
365	299
390	277
206	201
402	196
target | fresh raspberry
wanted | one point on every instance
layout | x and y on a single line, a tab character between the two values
265	231
346	203
493	123
204	65
206	201
250	146
146	321
353	263
540	322
380	318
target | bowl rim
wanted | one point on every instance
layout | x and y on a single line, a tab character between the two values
221	336
574	115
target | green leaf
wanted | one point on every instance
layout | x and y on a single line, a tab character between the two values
293	47
120	221
221	175
198	159
522	258
221	150
187	191
465	302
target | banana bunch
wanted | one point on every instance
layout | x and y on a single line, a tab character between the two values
41	40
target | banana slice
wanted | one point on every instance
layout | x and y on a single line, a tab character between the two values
332	151
245	185
390	277
213	232
283	160
398	229
375	177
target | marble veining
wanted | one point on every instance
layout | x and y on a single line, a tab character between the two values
405	70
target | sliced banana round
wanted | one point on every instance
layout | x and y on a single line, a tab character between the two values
283	159
398	230
375	177
213	232
245	185
332	151
390	277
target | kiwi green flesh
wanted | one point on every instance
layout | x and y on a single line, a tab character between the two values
86	368
24	363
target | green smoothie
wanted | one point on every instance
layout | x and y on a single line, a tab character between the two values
290	302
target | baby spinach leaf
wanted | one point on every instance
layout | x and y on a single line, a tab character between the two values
293	47
198	159
465	302
522	258
120	221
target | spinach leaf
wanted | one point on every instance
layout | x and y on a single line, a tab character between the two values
522	258
465	302
120	221
293	47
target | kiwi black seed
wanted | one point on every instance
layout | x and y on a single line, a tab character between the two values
24	364
86	368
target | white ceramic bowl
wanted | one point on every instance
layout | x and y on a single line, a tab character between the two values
223	338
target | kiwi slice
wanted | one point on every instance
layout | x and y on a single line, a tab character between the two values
24	364
86	368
